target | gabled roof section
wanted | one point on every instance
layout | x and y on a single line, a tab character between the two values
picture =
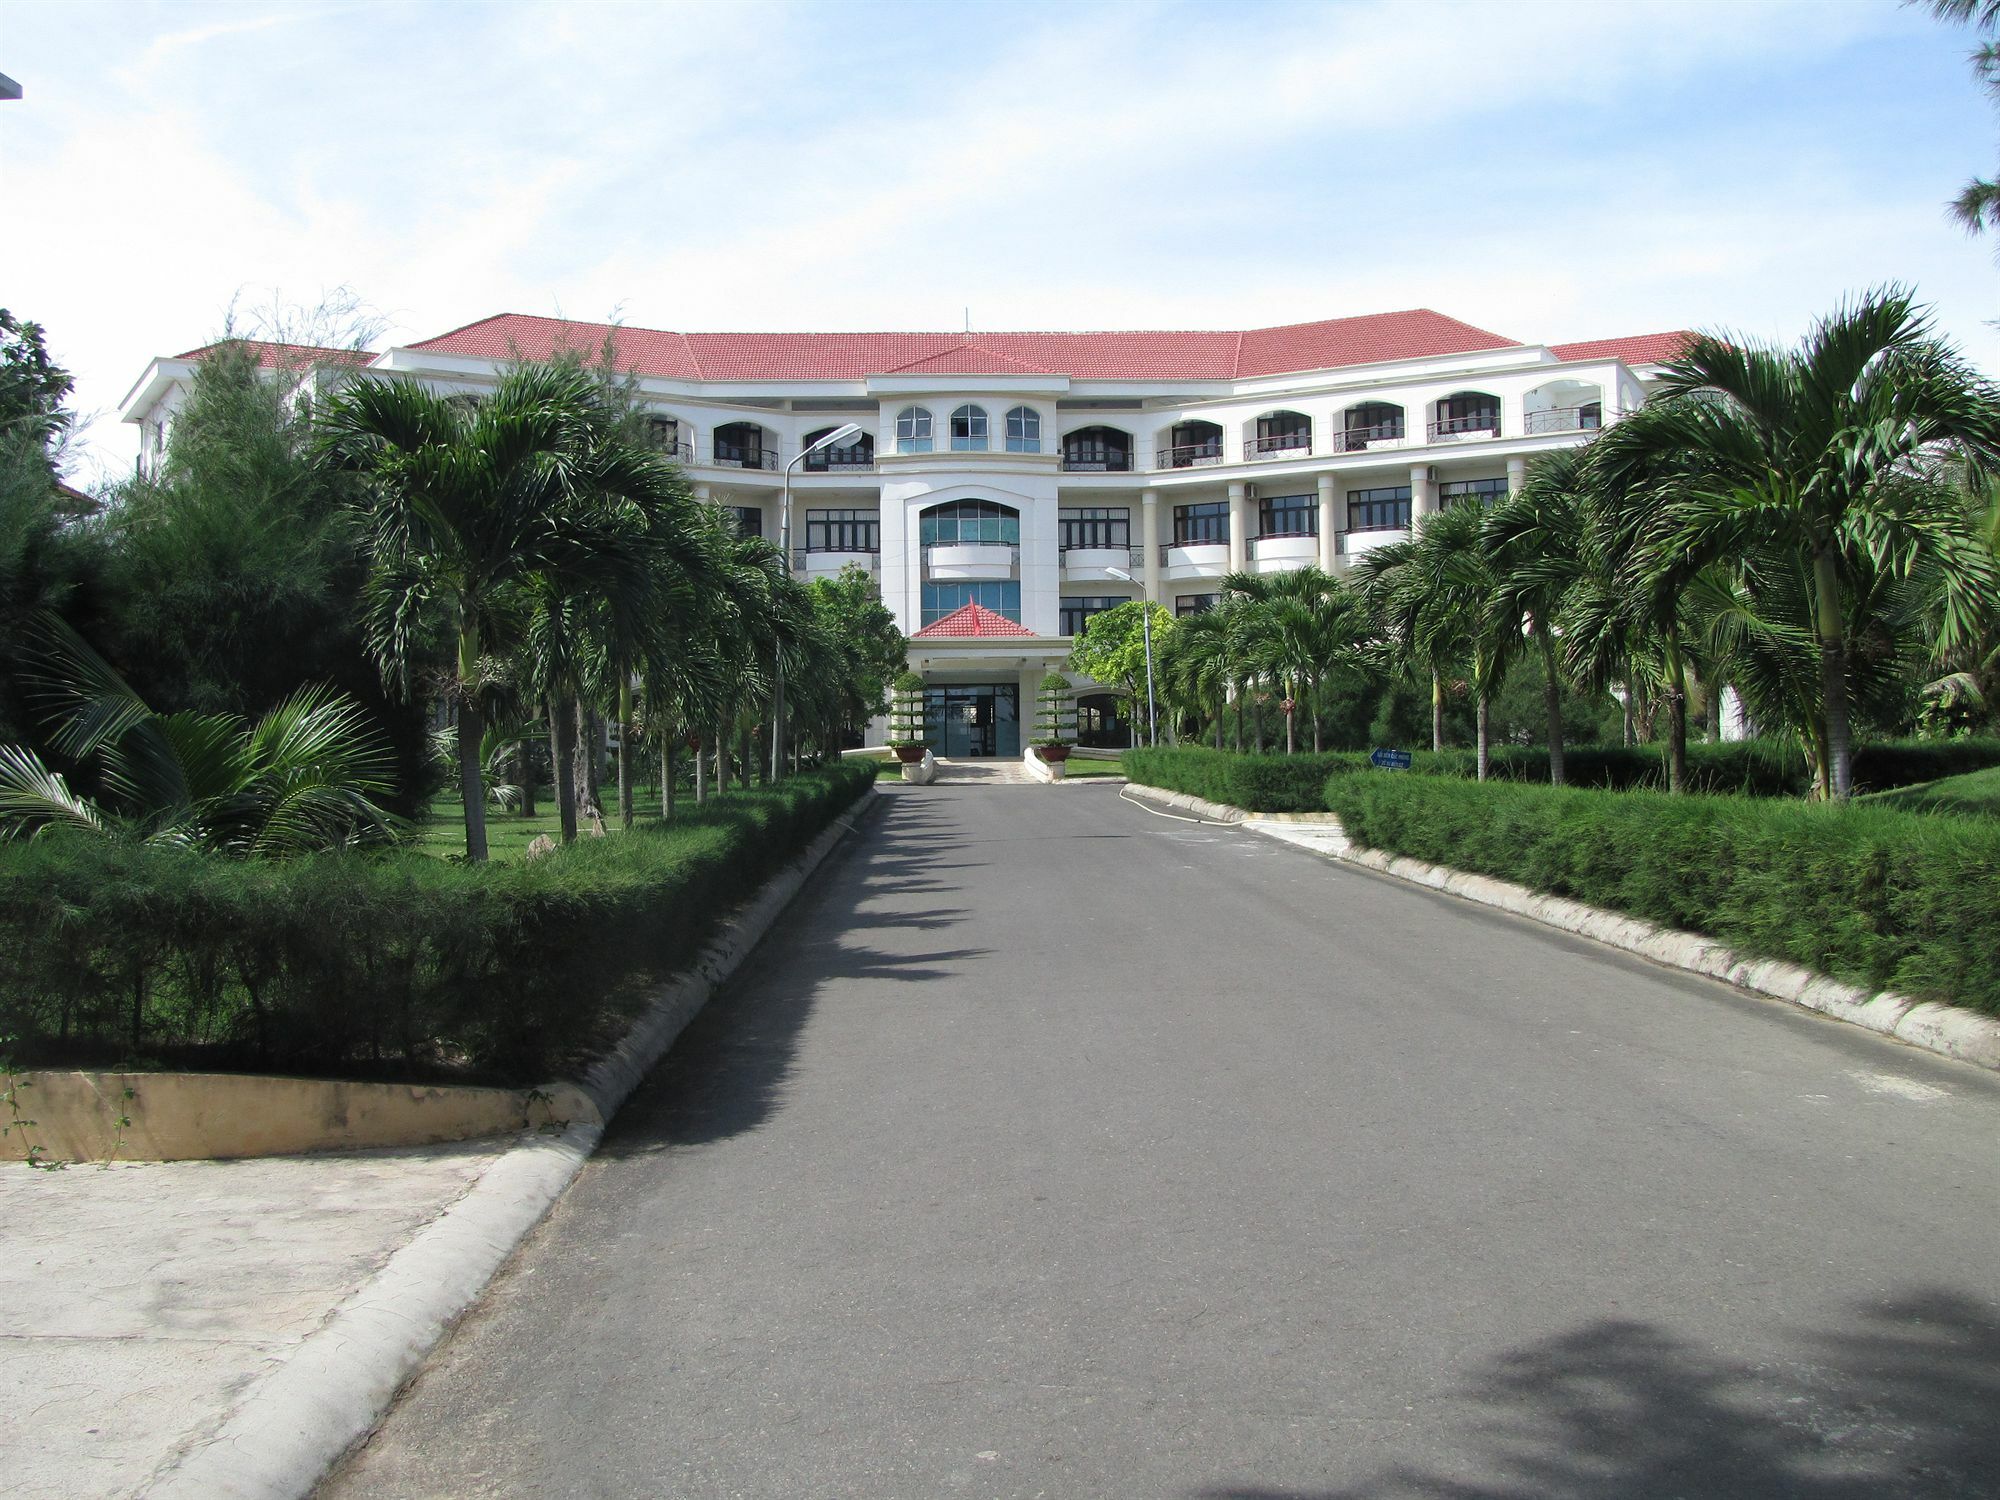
273	356
970	620
1634	349
1163	355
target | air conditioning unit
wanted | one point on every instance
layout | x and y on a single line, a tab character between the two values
1430	474
1249	492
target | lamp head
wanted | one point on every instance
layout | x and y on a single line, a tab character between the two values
836	437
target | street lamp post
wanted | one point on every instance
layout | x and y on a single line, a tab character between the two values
832	439
1146	630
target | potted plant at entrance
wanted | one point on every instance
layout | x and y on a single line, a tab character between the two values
906	722
1056	714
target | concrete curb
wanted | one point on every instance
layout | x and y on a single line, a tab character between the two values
297	1422
1943	1029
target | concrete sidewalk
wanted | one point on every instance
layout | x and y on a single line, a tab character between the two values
145	1302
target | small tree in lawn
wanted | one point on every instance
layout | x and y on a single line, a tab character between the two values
1057	713
906	728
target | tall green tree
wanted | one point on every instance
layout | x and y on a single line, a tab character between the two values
1814	451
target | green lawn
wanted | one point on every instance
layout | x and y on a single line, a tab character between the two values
1075	767
508	834
1976	794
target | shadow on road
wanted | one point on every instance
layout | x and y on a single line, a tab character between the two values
1900	1401
727	1072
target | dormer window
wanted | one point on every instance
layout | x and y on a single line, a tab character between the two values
968	430
913	430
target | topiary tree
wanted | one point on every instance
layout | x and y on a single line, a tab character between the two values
906	722
1056	714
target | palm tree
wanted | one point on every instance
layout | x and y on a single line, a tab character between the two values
1539	539
1813	450
1301	625
306	776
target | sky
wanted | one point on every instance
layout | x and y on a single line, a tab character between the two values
1548	171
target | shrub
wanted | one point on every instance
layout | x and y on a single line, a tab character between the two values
404	965
1256	783
1873	896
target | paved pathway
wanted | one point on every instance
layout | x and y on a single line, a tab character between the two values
984	771
143	1301
1051	1147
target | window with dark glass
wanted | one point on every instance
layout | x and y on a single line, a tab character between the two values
1590	415
1469	411
913	430
1374	422
1196	525
968	430
1101	449
1078	612
843	531
970	521
740	443
748	519
1024	430
1479	491
1093	526
858	452
1283	432
1002	596
1288	515
663	433
1195	604
1386	509
1191	443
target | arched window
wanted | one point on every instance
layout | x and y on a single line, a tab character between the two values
1024	430
1372	422
1191	444
962	521
740	445
913	430
1467	411
1103	450
858	452
968	430
1280	432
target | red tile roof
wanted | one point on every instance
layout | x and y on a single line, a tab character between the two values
1634	349
285	356
972	620
1328	344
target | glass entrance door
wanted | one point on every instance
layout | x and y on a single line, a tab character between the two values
969	720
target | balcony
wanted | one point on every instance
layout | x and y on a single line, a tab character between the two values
1352	544
1194	559
1453	429
1092	564
947	561
1566	419
825	563
1361	439
1280	554
1101	461
743	456
674	450
1278	445
828	461
1189	456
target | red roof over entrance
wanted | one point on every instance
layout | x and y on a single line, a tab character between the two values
973	620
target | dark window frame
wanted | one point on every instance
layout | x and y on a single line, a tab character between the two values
1275	511
1366	509
1201	524
843	529
1107	527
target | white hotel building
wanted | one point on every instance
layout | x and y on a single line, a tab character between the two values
1002	481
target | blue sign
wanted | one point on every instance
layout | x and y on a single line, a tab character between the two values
1389	760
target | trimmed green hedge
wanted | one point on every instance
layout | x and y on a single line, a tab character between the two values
1757	768
1876	897
403	966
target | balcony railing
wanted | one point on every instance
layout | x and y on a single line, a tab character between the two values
1189	456
828	462
1354	439
1279	442
1486	422
1135	557
1566	419
676	450
742	456
1096	461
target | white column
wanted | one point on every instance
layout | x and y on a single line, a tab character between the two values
1422	498
1149	541
1517	475
704	494
1239	528
1327	538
